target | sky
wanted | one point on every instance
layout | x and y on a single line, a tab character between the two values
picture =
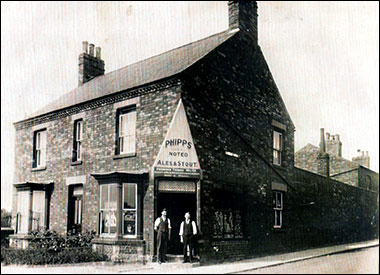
324	57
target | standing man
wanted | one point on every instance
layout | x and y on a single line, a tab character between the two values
187	230
163	228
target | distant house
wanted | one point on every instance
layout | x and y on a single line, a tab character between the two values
201	128
356	172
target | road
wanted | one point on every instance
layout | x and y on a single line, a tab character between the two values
365	261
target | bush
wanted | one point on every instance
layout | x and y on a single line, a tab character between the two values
48	247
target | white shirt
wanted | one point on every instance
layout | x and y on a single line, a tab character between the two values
187	222
158	220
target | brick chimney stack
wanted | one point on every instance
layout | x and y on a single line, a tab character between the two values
90	66
333	145
243	15
362	159
323	157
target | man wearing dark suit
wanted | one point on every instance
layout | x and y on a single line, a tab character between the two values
162	227
187	230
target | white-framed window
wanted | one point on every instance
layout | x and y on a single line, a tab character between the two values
278	208
277	147
108	209
129	223
78	136
38	219
39	154
127	132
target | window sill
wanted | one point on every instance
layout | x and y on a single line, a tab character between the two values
124	156
75	163
279	166
35	169
279	230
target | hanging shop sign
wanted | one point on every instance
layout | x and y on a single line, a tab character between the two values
177	156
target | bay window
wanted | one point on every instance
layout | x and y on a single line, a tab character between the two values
108	208
129	209
38	210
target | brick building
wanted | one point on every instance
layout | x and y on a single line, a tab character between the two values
200	128
356	172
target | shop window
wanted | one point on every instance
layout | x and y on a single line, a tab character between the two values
129	209
108	208
77	143
126	131
39	152
38	210
278	208
228	221
277	147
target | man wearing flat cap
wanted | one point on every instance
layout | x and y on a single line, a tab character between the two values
162	227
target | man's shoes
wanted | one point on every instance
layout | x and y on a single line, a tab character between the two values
159	262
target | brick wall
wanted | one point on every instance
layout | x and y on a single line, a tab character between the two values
154	111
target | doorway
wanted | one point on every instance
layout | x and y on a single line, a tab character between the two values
74	220
177	204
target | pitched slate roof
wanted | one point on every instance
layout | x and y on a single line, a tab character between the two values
143	72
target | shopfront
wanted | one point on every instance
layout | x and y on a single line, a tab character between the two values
177	177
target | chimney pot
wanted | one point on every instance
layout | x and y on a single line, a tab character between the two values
362	153
85	46
97	52
91	49
366	152
328	136
337	137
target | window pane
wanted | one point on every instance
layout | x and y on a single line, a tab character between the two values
23	200
103	196
129	222
38	140
129	199
276	157
38	210
113	197
276	140
111	221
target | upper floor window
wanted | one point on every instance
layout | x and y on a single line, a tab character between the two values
78	136
126	131
277	147
278	207
39	152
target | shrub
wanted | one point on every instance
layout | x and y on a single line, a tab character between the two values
47	247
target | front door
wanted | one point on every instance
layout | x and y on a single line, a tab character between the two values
177	204
75	209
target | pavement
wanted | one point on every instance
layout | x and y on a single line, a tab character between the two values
179	268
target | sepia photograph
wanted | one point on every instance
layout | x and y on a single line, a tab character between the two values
201	137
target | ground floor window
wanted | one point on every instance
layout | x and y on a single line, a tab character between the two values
227	216
23	202
109	209
38	210
228	224
32	206
278	208
129	209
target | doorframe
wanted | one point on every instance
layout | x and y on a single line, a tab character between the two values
69	207
197	182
